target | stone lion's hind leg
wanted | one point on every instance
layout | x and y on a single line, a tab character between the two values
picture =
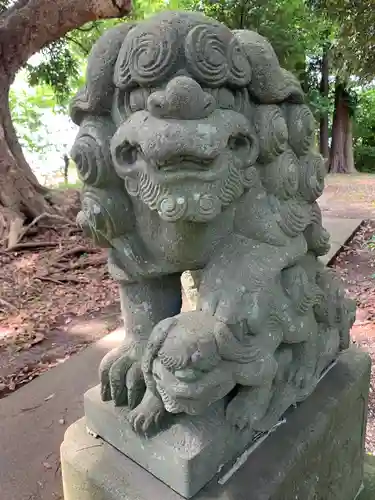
248	406
283	394
255	380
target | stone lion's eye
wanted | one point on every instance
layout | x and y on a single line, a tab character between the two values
127	154
239	143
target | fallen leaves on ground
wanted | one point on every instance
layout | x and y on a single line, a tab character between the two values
356	266
52	277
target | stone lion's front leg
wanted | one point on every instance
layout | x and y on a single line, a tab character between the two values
252	400
143	305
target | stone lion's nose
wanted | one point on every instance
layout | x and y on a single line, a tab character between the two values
183	98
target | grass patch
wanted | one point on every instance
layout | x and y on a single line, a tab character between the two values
62	186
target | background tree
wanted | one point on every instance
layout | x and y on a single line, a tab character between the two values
300	34
352	62
322	41
23	33
328	44
364	131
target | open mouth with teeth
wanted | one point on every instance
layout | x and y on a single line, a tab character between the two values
185	163
189	405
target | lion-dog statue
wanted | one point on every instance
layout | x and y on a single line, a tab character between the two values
196	151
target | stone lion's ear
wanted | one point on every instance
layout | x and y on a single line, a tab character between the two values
96	96
155	342
160	333
270	84
91	152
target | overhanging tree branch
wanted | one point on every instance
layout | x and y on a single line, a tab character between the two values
29	25
26	27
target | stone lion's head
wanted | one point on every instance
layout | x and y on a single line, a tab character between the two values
181	90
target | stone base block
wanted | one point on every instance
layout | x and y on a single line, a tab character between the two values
317	453
186	455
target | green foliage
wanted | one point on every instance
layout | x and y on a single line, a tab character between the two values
319	103
290	25
41	127
352	46
4	4
371	242
62	186
59	70
27	108
364	131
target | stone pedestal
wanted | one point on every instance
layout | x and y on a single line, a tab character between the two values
317	453
185	455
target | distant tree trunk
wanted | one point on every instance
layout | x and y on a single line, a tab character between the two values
341	159
349	150
23	33
66	168
324	92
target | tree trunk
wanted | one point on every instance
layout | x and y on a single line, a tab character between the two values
341	155
21	195
66	168
324	92
25	28
349	151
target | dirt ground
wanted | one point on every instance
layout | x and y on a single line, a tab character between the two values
349	196
353	196
356	265
56	297
54	301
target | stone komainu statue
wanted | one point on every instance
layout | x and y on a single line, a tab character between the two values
196	153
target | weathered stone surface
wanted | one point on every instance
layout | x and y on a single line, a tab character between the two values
316	454
185	456
196	153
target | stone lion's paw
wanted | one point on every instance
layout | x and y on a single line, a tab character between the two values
147	414
225	304
121	376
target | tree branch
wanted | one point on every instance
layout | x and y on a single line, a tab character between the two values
79	44
87	29
30	25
